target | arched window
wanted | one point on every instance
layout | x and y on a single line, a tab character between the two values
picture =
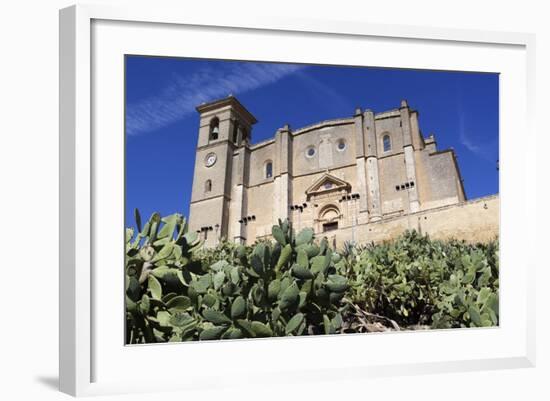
268	170
386	141
235	132
329	216
208	186
214	128
329	213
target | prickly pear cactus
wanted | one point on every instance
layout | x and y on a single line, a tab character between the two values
294	285
277	289
158	263
286	288
414	280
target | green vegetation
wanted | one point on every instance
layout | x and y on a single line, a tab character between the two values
415	281
176	290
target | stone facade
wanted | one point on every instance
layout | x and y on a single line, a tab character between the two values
366	177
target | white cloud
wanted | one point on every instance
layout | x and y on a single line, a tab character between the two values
464	139
480	149
179	99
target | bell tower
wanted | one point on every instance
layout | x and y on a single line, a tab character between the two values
224	132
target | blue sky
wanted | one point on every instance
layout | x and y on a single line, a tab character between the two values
461	109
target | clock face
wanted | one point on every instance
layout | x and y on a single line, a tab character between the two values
210	159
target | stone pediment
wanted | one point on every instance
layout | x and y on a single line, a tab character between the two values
327	183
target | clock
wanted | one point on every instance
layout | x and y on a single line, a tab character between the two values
210	159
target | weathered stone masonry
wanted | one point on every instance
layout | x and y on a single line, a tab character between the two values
363	178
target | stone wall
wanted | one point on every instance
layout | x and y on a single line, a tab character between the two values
477	220
371	184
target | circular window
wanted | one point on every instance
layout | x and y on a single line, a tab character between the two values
341	145
328	185
310	152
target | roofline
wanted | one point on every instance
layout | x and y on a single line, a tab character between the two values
228	101
233	101
322	124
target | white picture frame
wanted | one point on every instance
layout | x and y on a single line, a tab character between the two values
89	358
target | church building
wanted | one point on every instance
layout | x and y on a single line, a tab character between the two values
347	178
